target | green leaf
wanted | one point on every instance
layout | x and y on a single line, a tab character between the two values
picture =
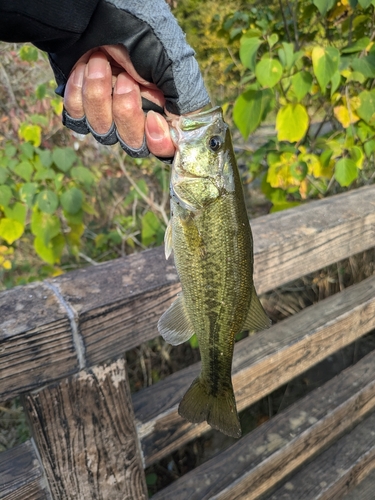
345	171
365	65
52	251
152	230
16	212
324	5
274	38
83	174
45	157
5	195
10	150
3	175
292	122
27	193
247	112
45	226
286	55
325	64
28	150
369	148
72	200
248	51
302	83
365	3
64	158
10	230
44	174
47	201
366	109
268	72
357	46
335	82
74	218
41	91
28	53
151	479
299	170
24	170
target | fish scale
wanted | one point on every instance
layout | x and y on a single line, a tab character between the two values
210	235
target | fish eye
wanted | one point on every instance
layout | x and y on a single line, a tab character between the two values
215	142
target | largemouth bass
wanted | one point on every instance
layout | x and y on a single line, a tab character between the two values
210	236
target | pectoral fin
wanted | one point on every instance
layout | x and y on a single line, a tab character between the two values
256	318
175	326
168	240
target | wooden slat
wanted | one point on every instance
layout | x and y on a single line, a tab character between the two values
291	244
84	429
262	363
21	475
335	472
262	459
365	489
35	339
115	306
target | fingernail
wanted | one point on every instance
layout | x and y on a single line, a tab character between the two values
78	75
97	67
156	127
124	84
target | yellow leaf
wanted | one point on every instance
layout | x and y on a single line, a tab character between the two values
279	176
292	122
344	117
7	265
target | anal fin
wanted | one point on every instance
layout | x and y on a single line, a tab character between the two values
256	318
175	326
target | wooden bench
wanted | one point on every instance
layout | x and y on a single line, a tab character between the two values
61	348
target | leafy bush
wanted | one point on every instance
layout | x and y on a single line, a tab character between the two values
310	68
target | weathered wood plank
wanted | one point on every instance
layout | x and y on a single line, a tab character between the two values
332	474
261	364
21	476
35	339
85	433
116	305
365	489
291	244
119	302
262	459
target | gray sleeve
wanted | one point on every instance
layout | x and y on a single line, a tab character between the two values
155	42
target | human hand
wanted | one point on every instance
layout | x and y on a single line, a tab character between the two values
161	61
105	88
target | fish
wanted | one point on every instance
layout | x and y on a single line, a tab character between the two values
210	236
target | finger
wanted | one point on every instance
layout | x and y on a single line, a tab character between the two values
127	111
97	93
158	138
73	92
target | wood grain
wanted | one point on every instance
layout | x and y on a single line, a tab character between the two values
35	339
261	364
21	476
365	489
262	459
116	305
84	429
335	472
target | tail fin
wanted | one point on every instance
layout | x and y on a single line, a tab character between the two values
219	411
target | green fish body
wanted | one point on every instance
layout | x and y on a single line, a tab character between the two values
210	235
